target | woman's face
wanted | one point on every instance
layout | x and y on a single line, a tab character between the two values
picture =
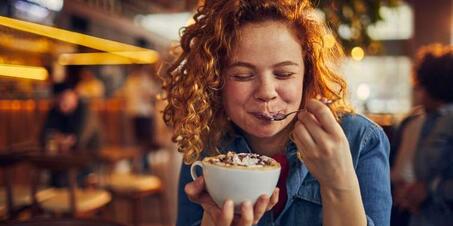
264	76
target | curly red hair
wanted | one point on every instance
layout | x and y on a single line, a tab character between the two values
194	81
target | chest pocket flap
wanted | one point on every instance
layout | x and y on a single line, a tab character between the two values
310	190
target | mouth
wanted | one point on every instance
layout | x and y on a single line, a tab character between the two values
266	116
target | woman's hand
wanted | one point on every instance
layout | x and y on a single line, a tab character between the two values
324	147
224	216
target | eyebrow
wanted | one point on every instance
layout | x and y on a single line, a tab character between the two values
241	64
286	63
249	65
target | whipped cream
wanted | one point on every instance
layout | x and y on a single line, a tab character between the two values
242	159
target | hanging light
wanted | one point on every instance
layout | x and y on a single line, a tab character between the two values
26	72
69	36
138	57
357	53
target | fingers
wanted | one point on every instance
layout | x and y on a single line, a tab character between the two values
246	214
260	207
274	199
323	114
194	189
313	127
224	216
196	192
221	216
265	203
317	128
227	214
302	137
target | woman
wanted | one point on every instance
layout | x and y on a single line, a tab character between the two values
244	59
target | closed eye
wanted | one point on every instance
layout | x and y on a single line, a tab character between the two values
243	77
284	75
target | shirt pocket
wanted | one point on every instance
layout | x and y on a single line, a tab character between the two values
310	190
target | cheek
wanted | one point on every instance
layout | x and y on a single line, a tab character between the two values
236	92
292	93
235	99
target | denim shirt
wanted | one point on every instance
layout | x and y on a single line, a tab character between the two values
370	151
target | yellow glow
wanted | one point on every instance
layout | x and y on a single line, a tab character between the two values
30	45
4	105
20	71
363	91
190	21
30	105
69	36
357	53
15	105
138	57
329	41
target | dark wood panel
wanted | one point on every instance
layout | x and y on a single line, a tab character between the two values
21	121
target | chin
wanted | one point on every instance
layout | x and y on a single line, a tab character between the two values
260	128
264	132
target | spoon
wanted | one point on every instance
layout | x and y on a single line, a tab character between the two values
281	116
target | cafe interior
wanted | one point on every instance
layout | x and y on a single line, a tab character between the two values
111	53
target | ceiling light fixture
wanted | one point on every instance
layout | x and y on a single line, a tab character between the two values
21	71
139	57
75	38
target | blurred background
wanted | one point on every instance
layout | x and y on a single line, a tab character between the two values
86	70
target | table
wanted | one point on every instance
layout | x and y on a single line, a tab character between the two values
7	160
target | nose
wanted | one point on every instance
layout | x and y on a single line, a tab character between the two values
265	90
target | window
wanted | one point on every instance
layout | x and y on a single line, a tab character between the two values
383	83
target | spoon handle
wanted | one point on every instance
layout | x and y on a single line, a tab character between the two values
280	117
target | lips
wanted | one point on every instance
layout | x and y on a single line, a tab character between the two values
265	115
265	112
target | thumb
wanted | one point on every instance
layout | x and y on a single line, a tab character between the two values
195	188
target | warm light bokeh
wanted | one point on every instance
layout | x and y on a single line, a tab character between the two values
20	71
357	53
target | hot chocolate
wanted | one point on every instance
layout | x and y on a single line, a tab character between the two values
243	160
238	177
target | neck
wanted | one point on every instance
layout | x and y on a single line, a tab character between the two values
269	146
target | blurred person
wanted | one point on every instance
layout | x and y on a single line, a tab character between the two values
89	86
429	197
402	151
140	91
69	127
